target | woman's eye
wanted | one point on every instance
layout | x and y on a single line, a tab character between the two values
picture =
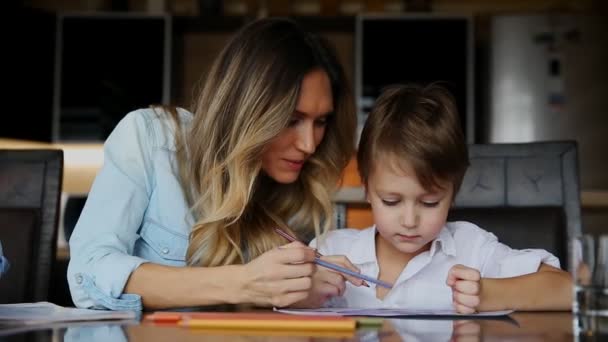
293	122
321	122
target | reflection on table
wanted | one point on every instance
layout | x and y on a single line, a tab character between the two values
522	326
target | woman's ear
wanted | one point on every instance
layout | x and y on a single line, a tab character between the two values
367	195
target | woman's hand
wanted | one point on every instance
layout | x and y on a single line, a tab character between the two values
466	288
328	283
279	277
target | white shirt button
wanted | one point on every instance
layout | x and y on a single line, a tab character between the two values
165	250
79	279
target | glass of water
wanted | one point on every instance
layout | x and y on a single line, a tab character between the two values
589	268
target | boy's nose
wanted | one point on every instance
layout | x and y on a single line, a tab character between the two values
409	217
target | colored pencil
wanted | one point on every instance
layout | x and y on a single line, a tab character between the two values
335	267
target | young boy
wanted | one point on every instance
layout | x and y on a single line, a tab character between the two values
412	158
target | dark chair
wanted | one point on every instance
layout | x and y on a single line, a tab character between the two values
30	189
527	194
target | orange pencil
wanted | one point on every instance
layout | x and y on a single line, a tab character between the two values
271	324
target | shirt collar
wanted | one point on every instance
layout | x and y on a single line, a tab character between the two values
363	249
445	242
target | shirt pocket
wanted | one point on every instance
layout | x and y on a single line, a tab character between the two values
160	244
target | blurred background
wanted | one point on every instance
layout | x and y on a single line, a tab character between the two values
521	70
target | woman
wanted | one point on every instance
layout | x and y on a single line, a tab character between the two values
184	209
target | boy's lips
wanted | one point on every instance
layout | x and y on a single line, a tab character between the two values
404	237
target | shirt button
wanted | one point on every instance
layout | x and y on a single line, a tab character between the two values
78	279
165	250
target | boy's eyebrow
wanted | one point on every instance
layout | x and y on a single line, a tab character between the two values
392	193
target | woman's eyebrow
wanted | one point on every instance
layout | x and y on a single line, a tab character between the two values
304	114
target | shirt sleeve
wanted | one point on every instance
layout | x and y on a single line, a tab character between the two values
505	262
101	246
4	264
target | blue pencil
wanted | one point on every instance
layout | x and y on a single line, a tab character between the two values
351	273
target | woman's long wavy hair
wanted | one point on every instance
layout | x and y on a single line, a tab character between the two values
248	98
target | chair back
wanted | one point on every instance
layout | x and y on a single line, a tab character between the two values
30	190
527	194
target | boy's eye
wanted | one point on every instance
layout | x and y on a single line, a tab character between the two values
390	203
430	204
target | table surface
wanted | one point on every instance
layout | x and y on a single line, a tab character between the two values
519	326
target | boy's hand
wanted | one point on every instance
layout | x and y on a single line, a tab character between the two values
466	288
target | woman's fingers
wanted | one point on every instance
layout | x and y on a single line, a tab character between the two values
293	254
328	278
289	298
343	261
291	271
288	291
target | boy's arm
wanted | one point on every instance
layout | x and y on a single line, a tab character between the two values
549	288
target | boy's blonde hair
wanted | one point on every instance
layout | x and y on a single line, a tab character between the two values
249	96
418	124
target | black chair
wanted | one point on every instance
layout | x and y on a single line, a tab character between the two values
527	194
30	189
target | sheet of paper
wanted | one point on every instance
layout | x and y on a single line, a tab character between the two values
45	312
389	312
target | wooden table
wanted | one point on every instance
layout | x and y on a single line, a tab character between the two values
522	326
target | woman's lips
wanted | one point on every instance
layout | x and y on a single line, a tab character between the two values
294	165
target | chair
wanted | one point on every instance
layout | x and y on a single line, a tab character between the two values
527	194
30	188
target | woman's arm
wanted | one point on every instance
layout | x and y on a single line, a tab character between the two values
166	286
102	244
279	278
547	289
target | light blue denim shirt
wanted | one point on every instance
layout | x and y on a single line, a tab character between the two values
135	212
4	265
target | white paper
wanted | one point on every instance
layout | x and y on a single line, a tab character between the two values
45	312
389	312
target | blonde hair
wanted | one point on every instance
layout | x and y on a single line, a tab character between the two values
419	124
248	98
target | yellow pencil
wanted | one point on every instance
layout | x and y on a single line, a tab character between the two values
248	324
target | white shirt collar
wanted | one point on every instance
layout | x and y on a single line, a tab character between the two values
445	241
363	249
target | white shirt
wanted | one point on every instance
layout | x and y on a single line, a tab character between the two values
422	283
